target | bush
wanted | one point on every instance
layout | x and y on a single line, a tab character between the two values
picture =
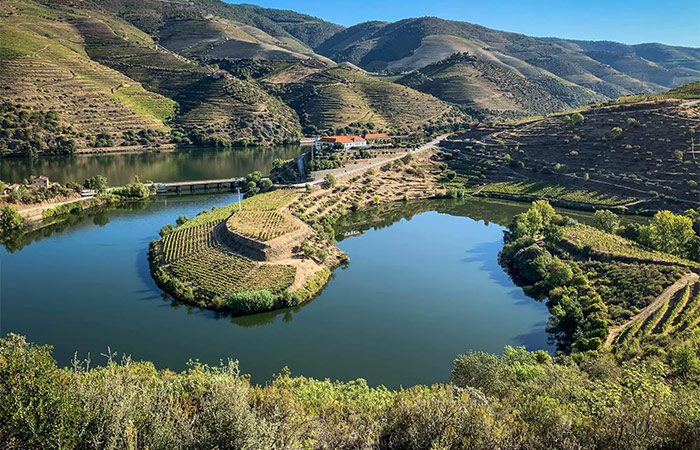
10	220
251	301
329	181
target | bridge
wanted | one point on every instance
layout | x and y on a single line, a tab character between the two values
193	186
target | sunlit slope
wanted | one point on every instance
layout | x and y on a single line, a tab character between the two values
610	70
44	65
339	97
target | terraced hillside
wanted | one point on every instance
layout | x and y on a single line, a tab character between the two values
336	98
564	65
43	66
675	311
107	77
641	148
215	28
213	260
483	88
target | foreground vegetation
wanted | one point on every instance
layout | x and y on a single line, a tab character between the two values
518	400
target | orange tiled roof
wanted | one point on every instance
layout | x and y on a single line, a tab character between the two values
341	139
377	136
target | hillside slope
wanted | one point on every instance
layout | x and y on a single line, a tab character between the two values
414	43
44	66
641	150
483	88
343	97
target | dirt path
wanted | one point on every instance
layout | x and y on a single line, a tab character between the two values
653	306
29	211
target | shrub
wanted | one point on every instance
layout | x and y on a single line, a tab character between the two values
329	181
249	302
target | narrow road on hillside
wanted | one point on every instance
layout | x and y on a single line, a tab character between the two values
653	306
362	166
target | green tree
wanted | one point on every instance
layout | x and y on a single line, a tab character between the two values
329	181
10	220
98	183
671	233
606	220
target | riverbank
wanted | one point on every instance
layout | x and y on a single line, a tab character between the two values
277	249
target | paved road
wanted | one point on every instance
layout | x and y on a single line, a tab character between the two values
362	166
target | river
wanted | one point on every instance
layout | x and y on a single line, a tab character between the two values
422	286
120	168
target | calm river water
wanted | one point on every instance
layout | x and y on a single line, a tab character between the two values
422	286
120	168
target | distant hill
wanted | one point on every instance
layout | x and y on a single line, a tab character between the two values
486	89
112	73
608	69
339	98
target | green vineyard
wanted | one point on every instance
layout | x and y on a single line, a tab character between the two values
260	225
187	241
191	264
679	313
219	272
601	242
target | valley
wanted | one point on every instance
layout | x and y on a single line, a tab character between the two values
227	226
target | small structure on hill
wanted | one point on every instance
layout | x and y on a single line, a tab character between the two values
41	182
347	142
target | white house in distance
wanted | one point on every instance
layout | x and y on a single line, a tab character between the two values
347	141
41	182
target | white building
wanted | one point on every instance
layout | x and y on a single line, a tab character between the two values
347	141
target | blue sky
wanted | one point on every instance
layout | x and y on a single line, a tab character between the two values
675	22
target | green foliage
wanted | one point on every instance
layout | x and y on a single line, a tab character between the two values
97	183
10	220
329	181
133	191
518	400
25	132
606	220
249	302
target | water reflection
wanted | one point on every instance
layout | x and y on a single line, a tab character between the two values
121	168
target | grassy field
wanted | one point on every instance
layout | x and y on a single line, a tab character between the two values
598	241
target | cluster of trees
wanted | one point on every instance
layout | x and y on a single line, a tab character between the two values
578	320
518	400
26	132
676	234
254	183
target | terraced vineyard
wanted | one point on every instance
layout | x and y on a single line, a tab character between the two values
44	57
678	313
545	189
260	225
218	272
338	97
191	264
187	241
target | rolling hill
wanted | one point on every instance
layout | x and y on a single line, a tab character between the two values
342	97
147	72
607	69
483	88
